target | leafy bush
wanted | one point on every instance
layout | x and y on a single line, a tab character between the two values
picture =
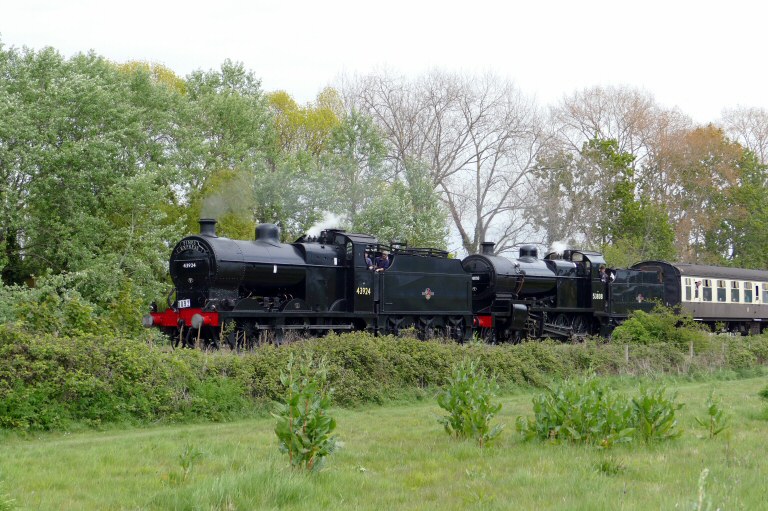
738	355
304	426
56	306
661	325
588	411
50	382
654	415
468	400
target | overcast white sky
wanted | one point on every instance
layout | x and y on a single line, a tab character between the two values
701	56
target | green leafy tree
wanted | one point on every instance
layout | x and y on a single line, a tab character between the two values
631	228
592	200
306	130
227	196
244	154
743	233
354	164
82	152
406	211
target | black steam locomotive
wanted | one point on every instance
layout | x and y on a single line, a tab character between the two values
246	292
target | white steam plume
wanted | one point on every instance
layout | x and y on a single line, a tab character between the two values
329	221
559	247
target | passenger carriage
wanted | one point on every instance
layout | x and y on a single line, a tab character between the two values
733	298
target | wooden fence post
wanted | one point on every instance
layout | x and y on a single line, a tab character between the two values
626	353
690	346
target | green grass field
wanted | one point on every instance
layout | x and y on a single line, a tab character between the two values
396	457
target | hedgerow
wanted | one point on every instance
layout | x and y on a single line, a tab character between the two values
50	381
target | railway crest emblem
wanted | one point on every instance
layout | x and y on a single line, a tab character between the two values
427	293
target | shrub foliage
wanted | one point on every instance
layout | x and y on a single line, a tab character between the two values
662	325
654	415
304	426
50	381
589	411
468	399
586	411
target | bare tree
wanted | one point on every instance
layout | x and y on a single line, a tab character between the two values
626	115
749	127
630	117
478	136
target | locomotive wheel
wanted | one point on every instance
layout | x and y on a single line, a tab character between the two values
425	328
174	337
394	324
458	330
488	335
233	340
580	326
563	321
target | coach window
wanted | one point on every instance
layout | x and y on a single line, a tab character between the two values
747	292
688	289
721	291
765	292
735	292
707	293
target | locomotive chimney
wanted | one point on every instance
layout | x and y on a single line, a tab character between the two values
208	227
486	247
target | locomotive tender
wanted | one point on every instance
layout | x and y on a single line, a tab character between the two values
245	292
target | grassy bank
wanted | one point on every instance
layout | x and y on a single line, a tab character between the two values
397	457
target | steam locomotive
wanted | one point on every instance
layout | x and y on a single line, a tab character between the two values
247	292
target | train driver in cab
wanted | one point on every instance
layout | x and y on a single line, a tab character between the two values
383	262
606	275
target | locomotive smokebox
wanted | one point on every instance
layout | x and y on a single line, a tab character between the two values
486	247
208	227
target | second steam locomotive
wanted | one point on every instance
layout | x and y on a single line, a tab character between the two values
245	292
